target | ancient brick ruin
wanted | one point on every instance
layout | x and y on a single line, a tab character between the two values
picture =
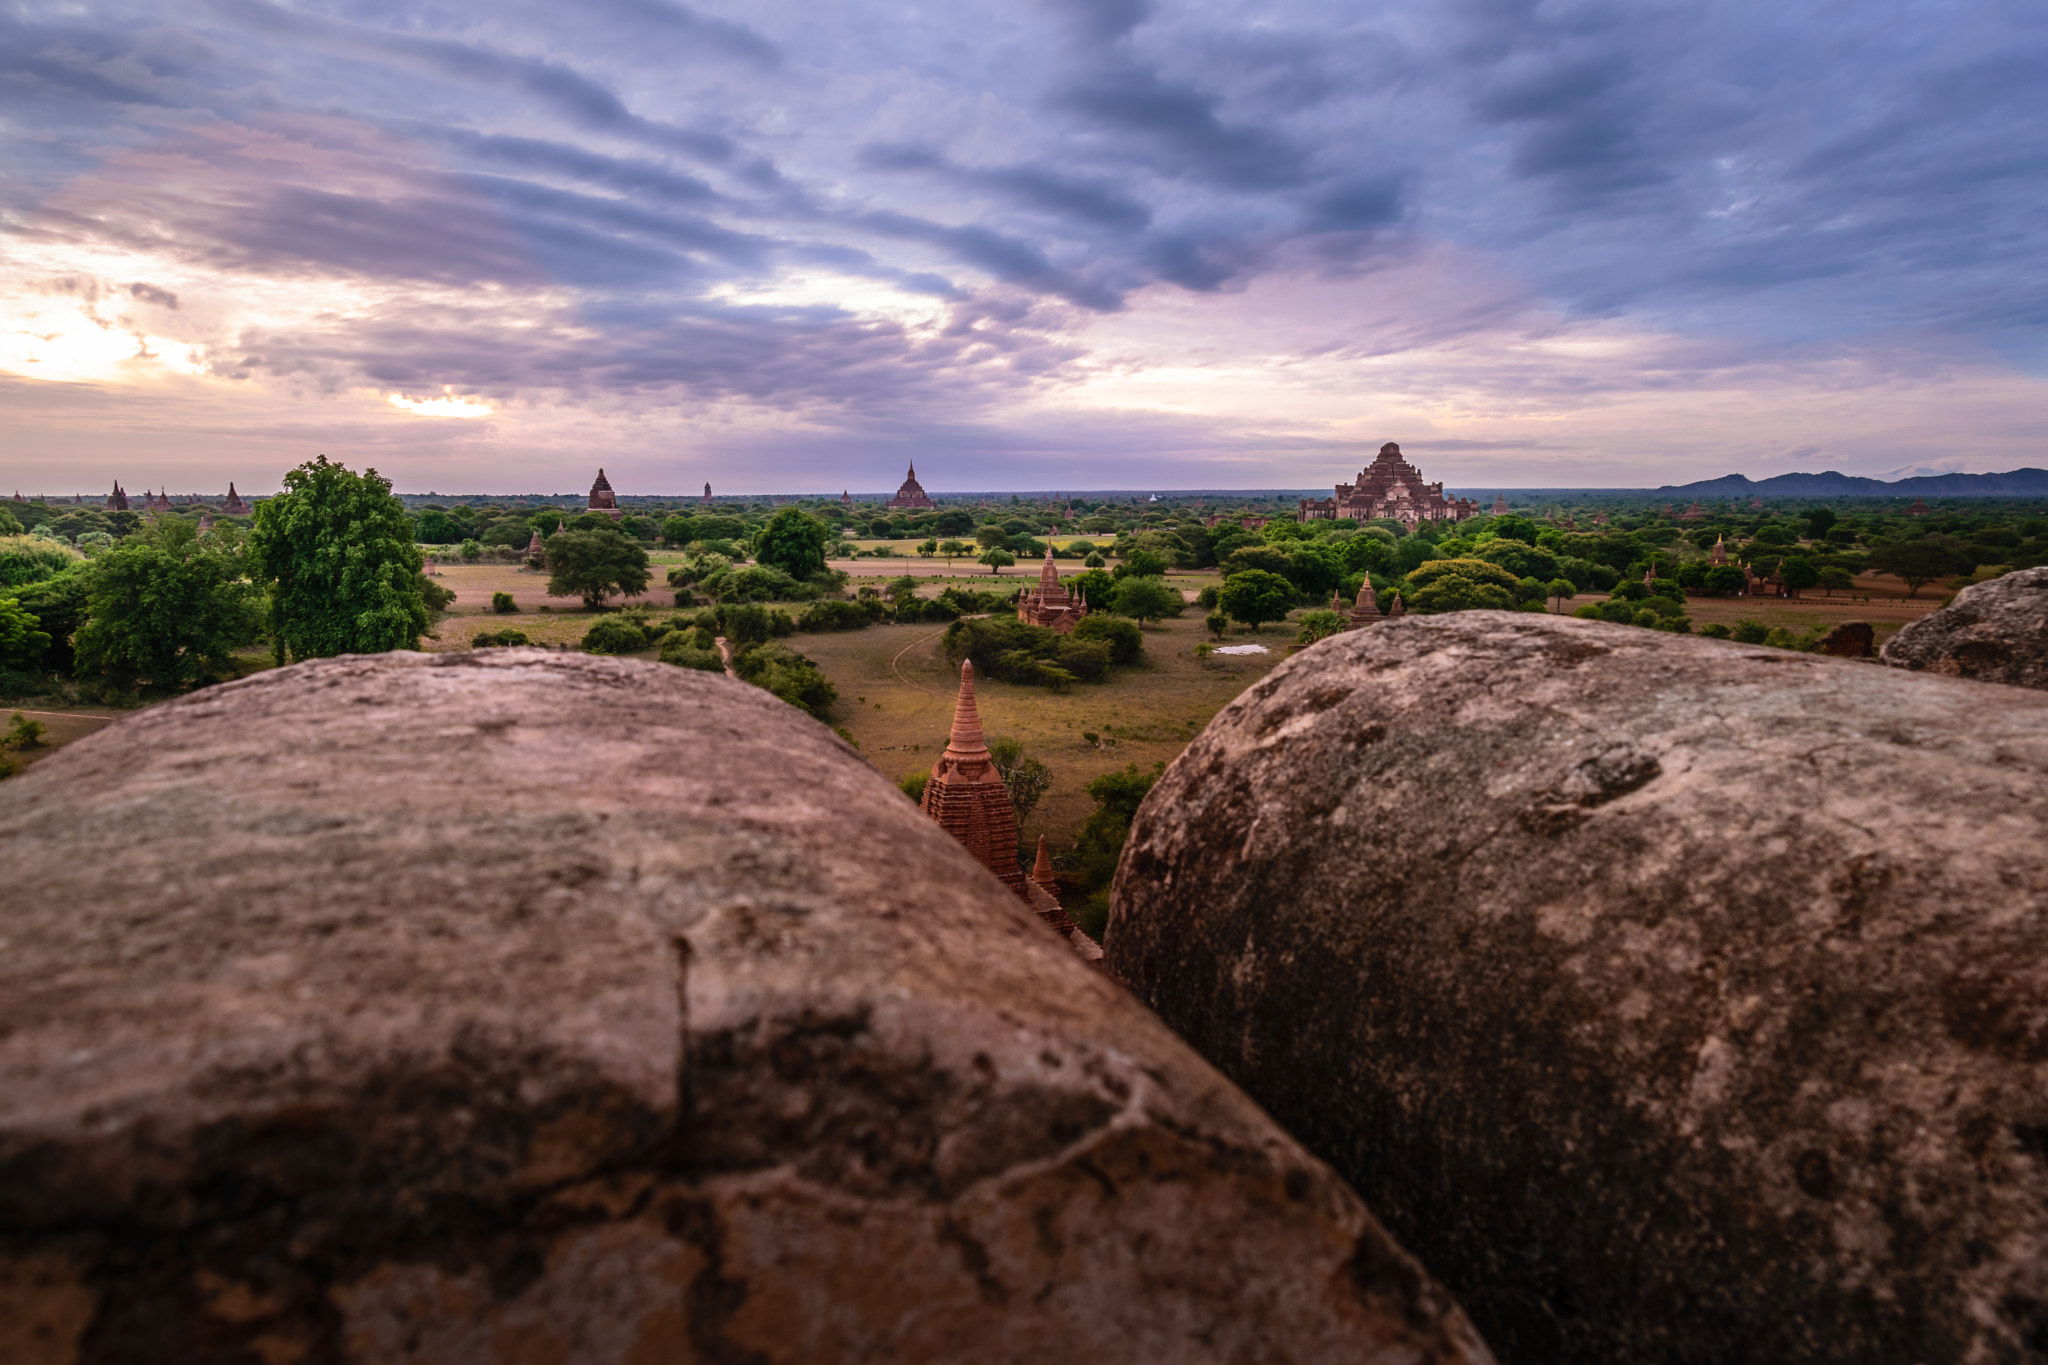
602	499
1050	605
911	496
969	800
232	505
1389	487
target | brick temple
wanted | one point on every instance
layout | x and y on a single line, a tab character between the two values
1051	605
602	499
1389	487
911	496
967	797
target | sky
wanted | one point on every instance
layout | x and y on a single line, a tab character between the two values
1037	244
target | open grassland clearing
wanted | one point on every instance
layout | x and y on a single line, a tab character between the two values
896	693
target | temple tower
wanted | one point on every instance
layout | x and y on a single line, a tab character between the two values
1051	605
911	495
966	795
602	498
1366	611
233	505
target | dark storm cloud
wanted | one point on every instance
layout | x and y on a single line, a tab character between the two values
1777	170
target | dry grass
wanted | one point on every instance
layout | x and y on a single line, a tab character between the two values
896	693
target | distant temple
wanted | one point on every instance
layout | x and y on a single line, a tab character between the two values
911	494
602	499
234	506
1694	512
1720	555
1390	487
1919	508
534	549
117	501
160	502
707	495
1366	611
1051	606
845	497
967	797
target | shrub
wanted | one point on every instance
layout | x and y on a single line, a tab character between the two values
502	603
31	559
778	669
1094	560
1715	631
823	616
1217	623
1019	652
684	651
1147	599
23	733
1255	596
1319	625
912	785
1125	641
23	641
1748	632
614	635
1207	598
496	639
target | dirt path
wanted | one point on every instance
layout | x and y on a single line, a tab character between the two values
898	659
725	653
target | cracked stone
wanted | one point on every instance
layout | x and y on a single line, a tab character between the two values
1673	1000
517	1006
1995	631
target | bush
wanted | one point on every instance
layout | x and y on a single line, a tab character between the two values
1217	624
614	635
912	785
1208	597
1255	596
824	616
1019	652
778	669
1748	632
692	649
1125	641
31	559
1319	625
1147	599
23	733
502	603
1094	560
498	639
1715	631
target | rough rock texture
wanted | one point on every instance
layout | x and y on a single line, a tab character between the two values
1993	632
1850	640
1673	1000
513	1007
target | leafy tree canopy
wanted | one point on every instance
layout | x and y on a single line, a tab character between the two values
436	527
793	542
23	641
1255	596
31	559
336	549
595	563
1146	599
167	607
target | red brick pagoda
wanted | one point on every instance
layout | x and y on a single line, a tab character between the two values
602	499
1051	606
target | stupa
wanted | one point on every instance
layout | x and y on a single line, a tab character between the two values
233	505
966	795
117	501
1051	606
1366	610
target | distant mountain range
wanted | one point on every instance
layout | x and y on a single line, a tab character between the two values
2019	483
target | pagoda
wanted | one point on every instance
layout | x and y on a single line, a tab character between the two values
233	506
117	501
911	495
1051	606
602	499
1366	611
707	495
969	800
1389	487
1500	504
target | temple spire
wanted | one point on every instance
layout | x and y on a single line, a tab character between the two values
966	737
1041	871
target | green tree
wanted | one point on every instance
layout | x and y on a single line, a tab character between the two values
1819	522
1917	562
1142	564
952	550
436	527
31	559
997	560
1024	776
1833	577
594	564
793	542
1254	597
337	551
679	529
991	538
1726	578
472	551
1798	573
1562	590
167	608
23	640
926	549
1146	599
1318	625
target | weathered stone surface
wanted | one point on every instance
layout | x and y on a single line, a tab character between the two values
1993	632
509	1007
1673	1000
1850	640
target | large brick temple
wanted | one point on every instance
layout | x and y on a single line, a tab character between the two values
602	499
911	496
1388	487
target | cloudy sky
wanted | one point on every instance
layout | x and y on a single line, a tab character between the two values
1041	244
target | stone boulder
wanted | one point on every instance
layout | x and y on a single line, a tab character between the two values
510	1006
1995	631
1671	999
